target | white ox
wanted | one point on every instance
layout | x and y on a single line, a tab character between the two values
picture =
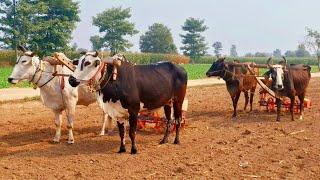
30	67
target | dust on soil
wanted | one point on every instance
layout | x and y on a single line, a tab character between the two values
212	145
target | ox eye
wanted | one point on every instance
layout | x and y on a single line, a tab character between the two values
24	61
87	63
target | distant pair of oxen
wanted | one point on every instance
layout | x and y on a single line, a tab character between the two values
287	80
121	88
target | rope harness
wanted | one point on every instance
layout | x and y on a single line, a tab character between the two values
40	68
94	85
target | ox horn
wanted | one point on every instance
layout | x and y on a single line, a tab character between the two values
268	62
96	54
285	60
22	48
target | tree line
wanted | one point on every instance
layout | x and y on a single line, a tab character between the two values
47	26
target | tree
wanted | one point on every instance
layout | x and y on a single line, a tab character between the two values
233	51
43	26
290	53
97	43
193	41
277	53
158	39
301	51
313	42
249	55
261	54
115	26
217	48
16	23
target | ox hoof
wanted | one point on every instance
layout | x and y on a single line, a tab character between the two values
71	141
122	149
176	141
134	150
102	133
163	141
55	141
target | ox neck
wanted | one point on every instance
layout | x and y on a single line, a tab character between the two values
41	78
227	76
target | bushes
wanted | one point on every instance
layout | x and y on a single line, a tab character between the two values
261	60
147	58
8	57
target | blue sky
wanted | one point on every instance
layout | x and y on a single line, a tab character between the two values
252	25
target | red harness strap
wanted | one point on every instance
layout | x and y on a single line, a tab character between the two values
62	83
92	81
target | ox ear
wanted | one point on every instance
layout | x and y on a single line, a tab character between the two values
83	52
75	62
97	63
96	54
22	48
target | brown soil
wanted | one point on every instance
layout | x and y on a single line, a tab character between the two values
212	146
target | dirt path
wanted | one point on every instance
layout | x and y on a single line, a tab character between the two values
212	146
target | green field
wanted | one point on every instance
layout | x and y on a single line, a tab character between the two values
4	74
195	71
198	71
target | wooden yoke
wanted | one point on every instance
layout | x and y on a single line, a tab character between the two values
64	60
263	85
253	65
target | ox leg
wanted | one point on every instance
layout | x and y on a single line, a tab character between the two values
246	100
301	99
58	122
122	132
177	107
167	111
110	125
70	116
292	99
235	103
103	128
278	102
132	131
251	99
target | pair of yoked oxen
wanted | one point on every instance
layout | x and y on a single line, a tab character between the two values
122	89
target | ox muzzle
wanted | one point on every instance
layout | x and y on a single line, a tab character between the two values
13	80
10	80
73	81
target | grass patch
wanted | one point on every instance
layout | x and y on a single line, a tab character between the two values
198	71
4	74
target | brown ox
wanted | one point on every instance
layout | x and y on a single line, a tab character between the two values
238	80
289	81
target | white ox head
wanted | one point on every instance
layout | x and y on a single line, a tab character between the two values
86	69
25	67
90	67
277	74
